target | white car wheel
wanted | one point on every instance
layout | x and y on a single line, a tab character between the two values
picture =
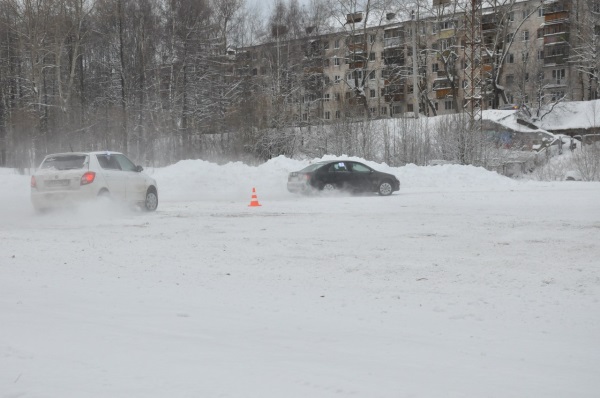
151	202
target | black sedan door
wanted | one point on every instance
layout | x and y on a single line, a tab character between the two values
361	177
338	174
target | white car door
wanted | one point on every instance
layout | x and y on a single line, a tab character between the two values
136	182
116	180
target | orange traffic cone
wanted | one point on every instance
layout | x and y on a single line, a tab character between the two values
254	201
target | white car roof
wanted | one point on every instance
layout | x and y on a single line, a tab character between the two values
85	153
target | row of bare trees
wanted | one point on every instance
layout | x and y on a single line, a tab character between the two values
161	80
145	77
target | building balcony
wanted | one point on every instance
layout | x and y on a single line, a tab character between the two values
356	65
556	38
310	70
555	59
393	97
442	93
392	42
446	34
398	60
357	47
556	17
489	24
553	83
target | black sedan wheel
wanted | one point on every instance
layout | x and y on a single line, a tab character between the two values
385	188
328	187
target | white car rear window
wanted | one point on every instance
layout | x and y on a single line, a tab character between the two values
64	162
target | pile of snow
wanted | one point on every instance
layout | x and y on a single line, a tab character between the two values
573	115
201	180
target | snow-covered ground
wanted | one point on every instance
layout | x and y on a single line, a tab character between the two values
463	284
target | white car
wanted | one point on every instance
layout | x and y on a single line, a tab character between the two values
64	179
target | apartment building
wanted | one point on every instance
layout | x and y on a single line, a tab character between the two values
367	71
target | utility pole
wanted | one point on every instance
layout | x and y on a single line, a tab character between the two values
473	64
473	82
414	66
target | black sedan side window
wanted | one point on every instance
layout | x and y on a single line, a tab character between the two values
337	167
360	168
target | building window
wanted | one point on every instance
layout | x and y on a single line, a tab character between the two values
558	75
327	115
448	105
525	35
446	25
355	74
372	93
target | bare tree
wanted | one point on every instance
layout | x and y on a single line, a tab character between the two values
585	52
225	13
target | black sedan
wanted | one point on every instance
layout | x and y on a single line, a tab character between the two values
343	175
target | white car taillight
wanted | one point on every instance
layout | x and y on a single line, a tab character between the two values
87	178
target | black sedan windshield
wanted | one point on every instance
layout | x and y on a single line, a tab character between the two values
311	167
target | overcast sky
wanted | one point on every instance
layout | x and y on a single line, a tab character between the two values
267	5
